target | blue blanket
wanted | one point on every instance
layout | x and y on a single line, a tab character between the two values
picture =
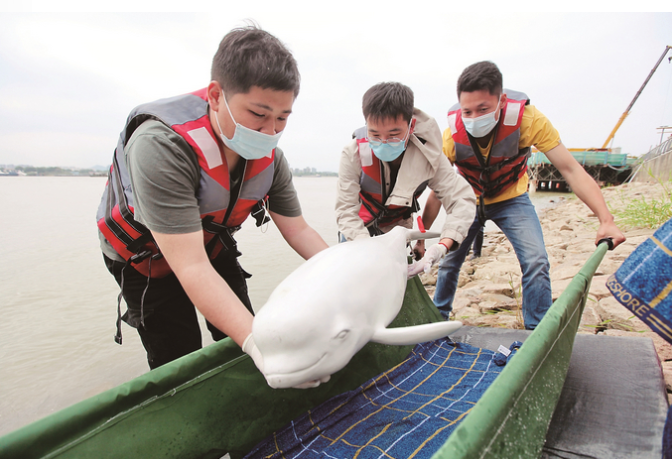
406	412
643	284
644	281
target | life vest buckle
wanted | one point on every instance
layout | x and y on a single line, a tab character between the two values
139	257
259	212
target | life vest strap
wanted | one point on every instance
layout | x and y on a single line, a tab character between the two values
137	258
489	187
117	335
383	215
504	180
223	234
136	245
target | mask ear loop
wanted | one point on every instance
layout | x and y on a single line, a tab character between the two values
267	216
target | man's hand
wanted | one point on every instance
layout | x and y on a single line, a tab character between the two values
419	249
610	230
432	256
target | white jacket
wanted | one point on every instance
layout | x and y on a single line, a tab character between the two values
422	162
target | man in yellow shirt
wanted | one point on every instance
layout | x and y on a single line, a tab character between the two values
489	139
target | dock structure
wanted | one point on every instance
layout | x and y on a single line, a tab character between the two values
601	164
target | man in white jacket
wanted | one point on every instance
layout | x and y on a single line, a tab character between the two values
387	166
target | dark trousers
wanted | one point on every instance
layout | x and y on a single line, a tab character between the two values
478	242
166	318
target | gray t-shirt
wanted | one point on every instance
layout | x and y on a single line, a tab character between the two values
165	176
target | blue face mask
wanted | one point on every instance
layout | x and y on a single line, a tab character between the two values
248	143
386	152
390	149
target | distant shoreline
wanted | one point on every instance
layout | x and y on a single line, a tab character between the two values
55	175
317	174
104	174
30	171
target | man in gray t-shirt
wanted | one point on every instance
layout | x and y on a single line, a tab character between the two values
187	172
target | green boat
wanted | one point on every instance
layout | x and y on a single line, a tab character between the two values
214	402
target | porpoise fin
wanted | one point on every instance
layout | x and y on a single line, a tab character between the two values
414	235
403	336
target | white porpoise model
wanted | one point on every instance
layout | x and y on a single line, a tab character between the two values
331	306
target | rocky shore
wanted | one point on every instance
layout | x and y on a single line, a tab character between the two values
489	288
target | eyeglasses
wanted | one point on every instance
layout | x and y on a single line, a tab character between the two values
393	142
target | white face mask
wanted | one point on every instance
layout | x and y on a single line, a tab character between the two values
483	125
248	143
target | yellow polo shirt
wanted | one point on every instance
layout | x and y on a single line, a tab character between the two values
535	129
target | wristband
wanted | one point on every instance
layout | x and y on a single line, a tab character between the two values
444	244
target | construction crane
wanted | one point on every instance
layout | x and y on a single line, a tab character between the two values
627	110
600	163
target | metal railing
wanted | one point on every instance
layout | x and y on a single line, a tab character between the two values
660	150
656	152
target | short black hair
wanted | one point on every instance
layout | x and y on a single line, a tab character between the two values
388	100
249	56
480	76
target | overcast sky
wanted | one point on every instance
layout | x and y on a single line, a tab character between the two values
68	80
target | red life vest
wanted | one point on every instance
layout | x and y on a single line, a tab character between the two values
506	163
187	115
373	195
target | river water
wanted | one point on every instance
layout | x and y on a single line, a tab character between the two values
58	301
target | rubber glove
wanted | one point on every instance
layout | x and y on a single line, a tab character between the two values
432	256
251	349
